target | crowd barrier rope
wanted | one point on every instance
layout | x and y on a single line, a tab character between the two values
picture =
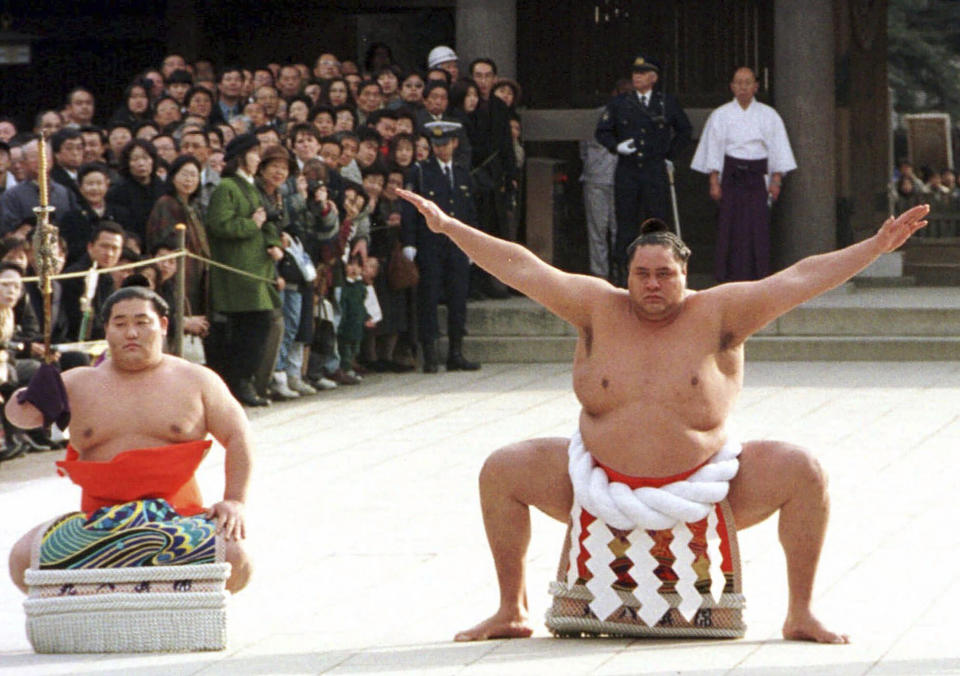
179	255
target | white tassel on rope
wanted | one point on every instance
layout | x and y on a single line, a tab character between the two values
621	507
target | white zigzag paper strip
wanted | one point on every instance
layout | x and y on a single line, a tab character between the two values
572	573
605	599
652	605
717	579
686	576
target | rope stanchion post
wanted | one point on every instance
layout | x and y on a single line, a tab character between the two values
179	289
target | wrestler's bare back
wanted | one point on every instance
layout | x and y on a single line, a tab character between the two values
115	410
655	396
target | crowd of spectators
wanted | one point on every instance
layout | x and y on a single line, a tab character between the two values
939	189
287	172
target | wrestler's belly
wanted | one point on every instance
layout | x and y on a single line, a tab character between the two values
107	449
648	442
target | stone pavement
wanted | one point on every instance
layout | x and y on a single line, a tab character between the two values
367	536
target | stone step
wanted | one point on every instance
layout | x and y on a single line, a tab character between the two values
933	261
515	349
884	282
523	317
934	274
550	349
866	321
851	348
846	327
940	250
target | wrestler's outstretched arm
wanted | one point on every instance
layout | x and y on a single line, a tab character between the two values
568	296
749	306
228	425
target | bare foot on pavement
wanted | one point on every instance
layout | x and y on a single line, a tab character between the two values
498	625
809	628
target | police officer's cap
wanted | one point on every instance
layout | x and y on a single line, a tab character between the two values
441	132
642	63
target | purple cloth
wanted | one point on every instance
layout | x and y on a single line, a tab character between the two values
47	392
743	233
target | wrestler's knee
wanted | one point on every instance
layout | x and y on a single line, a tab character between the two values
241	567
496	468
20	558
800	467
522	462
810	471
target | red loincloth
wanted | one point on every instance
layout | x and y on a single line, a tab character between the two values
165	472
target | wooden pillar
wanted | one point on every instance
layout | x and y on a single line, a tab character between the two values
803	83
488	28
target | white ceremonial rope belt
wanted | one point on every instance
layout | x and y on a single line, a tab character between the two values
616	505
620	506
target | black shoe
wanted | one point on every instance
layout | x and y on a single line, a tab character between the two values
248	396
30	444
341	377
397	367
430	362
12	449
457	362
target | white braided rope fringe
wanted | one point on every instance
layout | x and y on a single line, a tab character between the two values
572	626
685	501
55	576
126	601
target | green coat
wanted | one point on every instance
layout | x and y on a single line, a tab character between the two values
235	240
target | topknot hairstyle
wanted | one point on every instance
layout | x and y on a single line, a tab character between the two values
654	231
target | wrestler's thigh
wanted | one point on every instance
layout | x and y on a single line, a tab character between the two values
533	472
770	474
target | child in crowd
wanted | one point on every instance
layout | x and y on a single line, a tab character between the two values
353	315
371	268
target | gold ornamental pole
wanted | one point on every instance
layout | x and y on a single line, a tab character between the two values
45	238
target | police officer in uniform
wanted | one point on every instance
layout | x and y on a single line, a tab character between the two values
444	268
644	127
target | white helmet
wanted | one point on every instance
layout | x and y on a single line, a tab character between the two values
440	54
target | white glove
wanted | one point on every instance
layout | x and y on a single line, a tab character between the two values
627	147
409	252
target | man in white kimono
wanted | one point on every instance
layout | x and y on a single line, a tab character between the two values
745	150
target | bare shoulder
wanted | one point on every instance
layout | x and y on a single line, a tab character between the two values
82	377
573	297
745	307
196	374
720	297
705	311
705	302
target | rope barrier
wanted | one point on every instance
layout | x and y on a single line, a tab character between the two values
156	259
229	268
125	266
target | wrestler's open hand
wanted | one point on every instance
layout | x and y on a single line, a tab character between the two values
432	214
896	231
229	517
